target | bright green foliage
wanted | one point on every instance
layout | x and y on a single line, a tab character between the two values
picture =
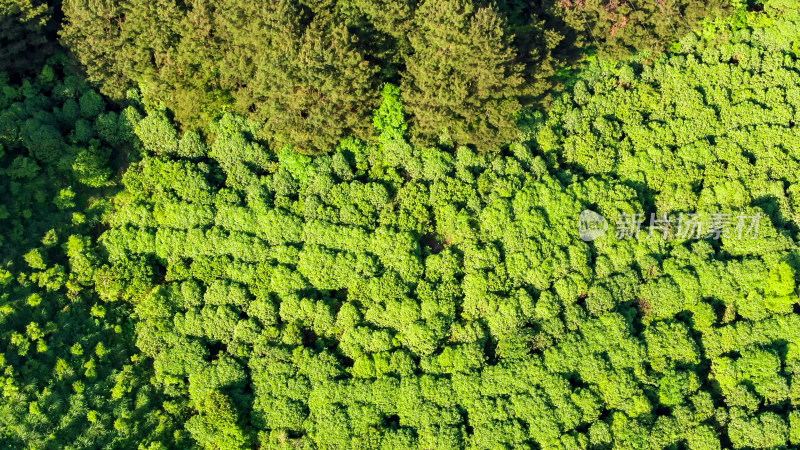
314	277
389	120
388	295
695	119
221	288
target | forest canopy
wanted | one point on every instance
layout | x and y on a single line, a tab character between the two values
310	72
356	224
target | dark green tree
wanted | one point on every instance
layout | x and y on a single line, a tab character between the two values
620	28
315	90
462	81
27	29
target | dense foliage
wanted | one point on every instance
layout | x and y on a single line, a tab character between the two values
176	271
69	376
390	295
27	30
309	72
618	28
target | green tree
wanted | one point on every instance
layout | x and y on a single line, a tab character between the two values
622	28
317	91
462	81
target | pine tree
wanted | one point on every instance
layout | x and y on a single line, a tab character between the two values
314	91
462	75
253	36
293	67
617	29
383	28
122	43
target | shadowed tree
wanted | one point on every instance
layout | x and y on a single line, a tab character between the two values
25	29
